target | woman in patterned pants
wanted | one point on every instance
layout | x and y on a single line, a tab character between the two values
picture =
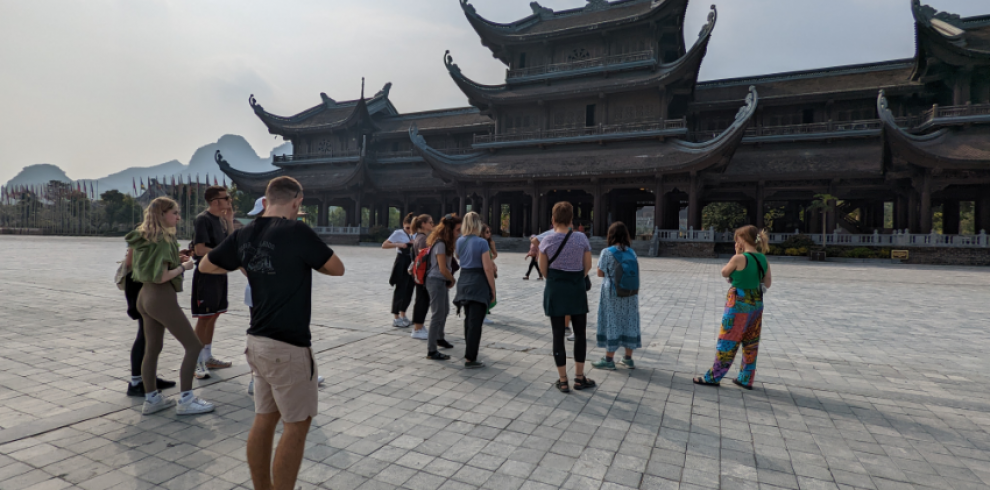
749	274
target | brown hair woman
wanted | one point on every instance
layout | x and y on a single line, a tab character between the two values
439	280
421	228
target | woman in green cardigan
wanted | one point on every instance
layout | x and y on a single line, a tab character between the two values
157	263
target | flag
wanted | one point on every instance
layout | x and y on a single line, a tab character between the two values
225	180
215	180
134	185
142	183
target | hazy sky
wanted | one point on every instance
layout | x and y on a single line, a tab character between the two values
96	86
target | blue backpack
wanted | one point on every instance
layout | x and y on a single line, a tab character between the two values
626	280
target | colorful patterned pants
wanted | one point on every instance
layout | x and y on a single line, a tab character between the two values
741	324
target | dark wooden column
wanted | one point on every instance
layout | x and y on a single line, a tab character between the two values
535	217
659	200
598	213
462	196
357	210
902	220
831	216
950	217
961	93
694	203
983	210
496	215
323	215
761	213
483	209
925	206
914	220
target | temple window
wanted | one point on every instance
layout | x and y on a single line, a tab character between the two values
522	60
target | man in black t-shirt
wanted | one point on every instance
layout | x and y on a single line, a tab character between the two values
279	255
209	292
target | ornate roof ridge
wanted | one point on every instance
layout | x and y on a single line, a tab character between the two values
541	13
976	21
327	103
889	65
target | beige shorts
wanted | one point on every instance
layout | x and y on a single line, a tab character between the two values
285	378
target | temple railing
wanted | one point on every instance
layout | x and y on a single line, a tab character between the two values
602	62
316	156
945	112
339	230
755	134
383	155
896	239
600	130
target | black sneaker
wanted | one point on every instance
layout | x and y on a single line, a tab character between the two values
138	390
436	356
473	364
446	345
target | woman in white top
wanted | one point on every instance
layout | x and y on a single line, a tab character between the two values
401	240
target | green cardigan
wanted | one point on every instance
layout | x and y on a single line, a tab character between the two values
151	259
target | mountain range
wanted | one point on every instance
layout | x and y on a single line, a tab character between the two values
234	148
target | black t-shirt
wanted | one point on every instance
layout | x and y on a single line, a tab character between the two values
210	231
279	256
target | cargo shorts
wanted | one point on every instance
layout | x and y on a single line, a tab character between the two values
285	379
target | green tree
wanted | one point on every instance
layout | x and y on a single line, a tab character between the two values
723	216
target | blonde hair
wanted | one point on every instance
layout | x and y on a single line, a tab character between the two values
472	224
153	227
755	237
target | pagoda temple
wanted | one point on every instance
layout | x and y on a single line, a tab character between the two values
602	107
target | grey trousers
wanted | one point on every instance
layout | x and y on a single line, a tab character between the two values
439	309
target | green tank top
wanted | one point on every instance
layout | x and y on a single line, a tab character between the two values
749	278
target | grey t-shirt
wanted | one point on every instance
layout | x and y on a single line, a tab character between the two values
438	248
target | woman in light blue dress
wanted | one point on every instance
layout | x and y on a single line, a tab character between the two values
618	317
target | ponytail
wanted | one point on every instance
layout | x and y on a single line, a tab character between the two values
763	242
408	219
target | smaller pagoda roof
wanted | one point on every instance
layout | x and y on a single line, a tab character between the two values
315	178
685	69
544	23
330	115
464	119
589	160
961	147
948	37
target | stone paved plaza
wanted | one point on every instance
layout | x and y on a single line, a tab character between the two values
869	376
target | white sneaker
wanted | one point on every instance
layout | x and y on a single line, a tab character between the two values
202	372
488	321
406	321
157	404
570	337
421	334
399	323
251	386
320	380
194	406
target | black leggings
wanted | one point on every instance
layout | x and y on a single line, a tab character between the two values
422	306
579	324
474	318
532	263
137	350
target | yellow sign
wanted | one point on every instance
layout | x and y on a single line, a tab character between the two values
899	254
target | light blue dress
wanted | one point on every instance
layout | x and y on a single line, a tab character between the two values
618	318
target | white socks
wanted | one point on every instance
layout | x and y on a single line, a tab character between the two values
151	397
185	397
206	353
135	380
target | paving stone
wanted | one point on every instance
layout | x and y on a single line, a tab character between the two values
844	398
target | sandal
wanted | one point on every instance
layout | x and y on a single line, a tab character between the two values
737	383
436	356
562	386
701	381
583	383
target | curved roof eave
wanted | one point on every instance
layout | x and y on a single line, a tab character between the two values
482	96
360	114
258	182
700	155
908	145
944	30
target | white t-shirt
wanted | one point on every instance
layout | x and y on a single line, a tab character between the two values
400	236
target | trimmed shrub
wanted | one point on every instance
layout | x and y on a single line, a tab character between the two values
798	241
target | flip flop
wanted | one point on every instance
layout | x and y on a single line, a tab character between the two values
701	381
